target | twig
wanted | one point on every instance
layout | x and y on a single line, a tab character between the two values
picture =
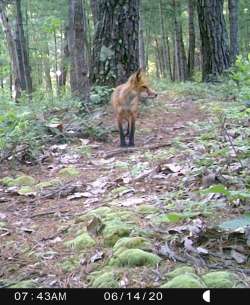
55	235
134	149
226	135
47	213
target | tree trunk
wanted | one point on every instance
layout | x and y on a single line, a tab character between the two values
180	55
46	68
191	29
233	6
214	39
79	81
64	60
22	53
165	46
116	44
15	74
142	59
94	9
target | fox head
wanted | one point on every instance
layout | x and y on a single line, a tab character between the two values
139	83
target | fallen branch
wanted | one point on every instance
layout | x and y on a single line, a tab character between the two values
134	149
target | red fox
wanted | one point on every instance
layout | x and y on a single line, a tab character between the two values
125	100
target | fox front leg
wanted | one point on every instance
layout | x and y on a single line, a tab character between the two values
122	135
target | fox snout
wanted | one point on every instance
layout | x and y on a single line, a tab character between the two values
149	94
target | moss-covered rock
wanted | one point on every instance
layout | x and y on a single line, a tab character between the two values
69	172
122	215
220	279
131	243
24	180
180	271
114	230
134	257
24	284
81	242
105	280
26	190
45	184
69	264
7	181
188	280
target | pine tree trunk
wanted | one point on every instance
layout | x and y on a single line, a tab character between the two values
46	68
165	46
180	55
22	53
79	81
94	9
233	6
142	59
214	39
191	28
64	60
116	43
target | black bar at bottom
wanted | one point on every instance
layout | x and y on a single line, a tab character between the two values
124	296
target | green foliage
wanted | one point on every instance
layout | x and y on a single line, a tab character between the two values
100	95
241	75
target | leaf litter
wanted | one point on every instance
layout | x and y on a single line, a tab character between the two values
187	207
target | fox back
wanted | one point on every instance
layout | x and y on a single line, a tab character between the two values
125	100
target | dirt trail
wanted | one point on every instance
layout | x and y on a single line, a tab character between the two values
37	226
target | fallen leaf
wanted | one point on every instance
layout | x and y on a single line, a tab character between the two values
97	256
95	226
238	257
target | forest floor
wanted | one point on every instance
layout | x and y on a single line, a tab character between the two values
172	212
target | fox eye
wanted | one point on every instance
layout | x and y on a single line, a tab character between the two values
144	87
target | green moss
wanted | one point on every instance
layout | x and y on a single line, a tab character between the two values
24	284
46	184
187	280
114	230
24	181
2	224
106	280
7	181
69	172
131	243
121	215
99	213
81	242
135	257
147	209
69	264
180	271
220	279
25	190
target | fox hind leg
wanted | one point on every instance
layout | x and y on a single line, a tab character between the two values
131	132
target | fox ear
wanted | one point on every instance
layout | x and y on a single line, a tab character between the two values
139	74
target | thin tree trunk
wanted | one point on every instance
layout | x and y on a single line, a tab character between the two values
142	60
165	46
94	9
21	46
64	60
181	60
79	81
56	63
233	6
191	29
46	68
